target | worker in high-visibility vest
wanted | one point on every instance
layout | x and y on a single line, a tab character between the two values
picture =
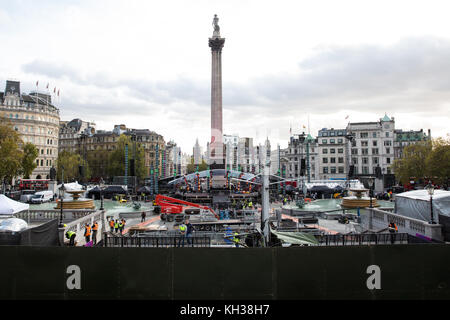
236	239
182	228
116	225
121	225
111	224
87	232
94	232
71	236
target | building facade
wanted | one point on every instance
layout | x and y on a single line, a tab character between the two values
372	150
333	154
303	157
94	146
37	120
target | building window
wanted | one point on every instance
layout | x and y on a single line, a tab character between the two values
354	151
387	134
332	150
374	150
340	160
332	160
332	141
324	151
341	169
365	160
325	160
364	143
374	134
325	169
332	169
388	160
388	150
365	170
365	151
375	160
340	141
324	141
340	150
364	135
374	143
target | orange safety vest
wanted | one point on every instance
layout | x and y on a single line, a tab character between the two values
95	227
111	223
88	231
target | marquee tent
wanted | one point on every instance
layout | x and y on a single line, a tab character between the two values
416	204
9	207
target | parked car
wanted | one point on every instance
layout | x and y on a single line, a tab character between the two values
27	195
42	196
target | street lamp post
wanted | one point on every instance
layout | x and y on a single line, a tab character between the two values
430	190
371	181
102	184
61	197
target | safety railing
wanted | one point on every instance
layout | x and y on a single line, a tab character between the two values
156	242
363	239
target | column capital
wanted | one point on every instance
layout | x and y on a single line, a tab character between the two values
216	44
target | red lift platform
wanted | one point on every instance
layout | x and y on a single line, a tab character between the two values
176	206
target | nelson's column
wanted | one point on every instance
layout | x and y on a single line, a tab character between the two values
217	159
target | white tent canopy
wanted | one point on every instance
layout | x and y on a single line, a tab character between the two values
416	204
10	207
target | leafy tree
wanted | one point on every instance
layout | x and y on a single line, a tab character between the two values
191	167
71	162
116	166
98	163
11	153
30	153
412	163
438	161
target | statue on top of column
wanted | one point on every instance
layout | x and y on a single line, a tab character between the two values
215	23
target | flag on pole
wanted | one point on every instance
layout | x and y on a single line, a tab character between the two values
54	90
346	117
58	92
37	83
47	85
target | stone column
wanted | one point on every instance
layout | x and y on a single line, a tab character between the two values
217	154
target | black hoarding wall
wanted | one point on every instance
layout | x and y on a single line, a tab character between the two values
363	272
42	235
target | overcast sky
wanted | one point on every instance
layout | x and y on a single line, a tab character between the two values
147	64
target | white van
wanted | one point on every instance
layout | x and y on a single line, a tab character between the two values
27	195
42	196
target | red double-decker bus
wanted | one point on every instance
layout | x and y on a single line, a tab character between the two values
33	184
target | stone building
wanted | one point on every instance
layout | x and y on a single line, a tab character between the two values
406	138
70	133
303	157
333	154
37	120
95	146
372	150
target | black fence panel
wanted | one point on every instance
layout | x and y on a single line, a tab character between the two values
404	271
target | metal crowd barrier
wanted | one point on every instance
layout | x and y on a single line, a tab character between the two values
156	241
363	239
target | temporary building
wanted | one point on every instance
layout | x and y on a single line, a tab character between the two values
8	207
416	204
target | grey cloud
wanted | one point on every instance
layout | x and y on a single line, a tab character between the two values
408	75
